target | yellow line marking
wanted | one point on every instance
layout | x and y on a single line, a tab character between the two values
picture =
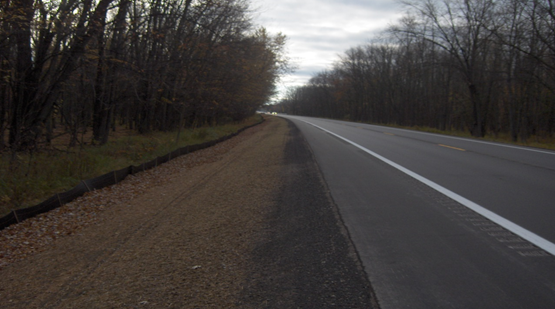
389	133
452	147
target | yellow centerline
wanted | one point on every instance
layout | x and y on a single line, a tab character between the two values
452	147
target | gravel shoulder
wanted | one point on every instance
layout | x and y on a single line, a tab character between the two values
245	224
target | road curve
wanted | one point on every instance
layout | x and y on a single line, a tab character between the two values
453	234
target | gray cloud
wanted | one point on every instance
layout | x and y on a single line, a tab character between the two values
319	31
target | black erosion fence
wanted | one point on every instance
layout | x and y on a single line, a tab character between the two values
103	181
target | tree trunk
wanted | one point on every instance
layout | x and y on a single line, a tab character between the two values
25	84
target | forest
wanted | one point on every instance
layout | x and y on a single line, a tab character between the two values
481	66
72	67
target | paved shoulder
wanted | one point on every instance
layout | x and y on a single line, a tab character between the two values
304	258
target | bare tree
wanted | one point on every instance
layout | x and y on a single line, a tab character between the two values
463	29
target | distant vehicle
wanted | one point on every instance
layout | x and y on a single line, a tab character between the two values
274	113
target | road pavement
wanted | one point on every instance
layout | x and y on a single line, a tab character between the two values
442	222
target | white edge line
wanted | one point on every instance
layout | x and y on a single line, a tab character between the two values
516	229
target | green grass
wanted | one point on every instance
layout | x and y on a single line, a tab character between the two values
30	179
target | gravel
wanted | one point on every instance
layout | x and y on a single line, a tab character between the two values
247	223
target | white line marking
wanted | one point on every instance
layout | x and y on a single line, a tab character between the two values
516	229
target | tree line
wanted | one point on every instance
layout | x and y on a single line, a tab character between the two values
76	66
479	65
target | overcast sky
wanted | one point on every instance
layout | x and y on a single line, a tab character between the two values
318	31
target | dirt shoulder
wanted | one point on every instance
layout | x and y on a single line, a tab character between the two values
247	223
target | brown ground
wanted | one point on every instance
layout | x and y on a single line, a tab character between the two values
197	232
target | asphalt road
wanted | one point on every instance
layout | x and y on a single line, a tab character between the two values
442	222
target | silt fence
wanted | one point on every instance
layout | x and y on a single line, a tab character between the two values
108	179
